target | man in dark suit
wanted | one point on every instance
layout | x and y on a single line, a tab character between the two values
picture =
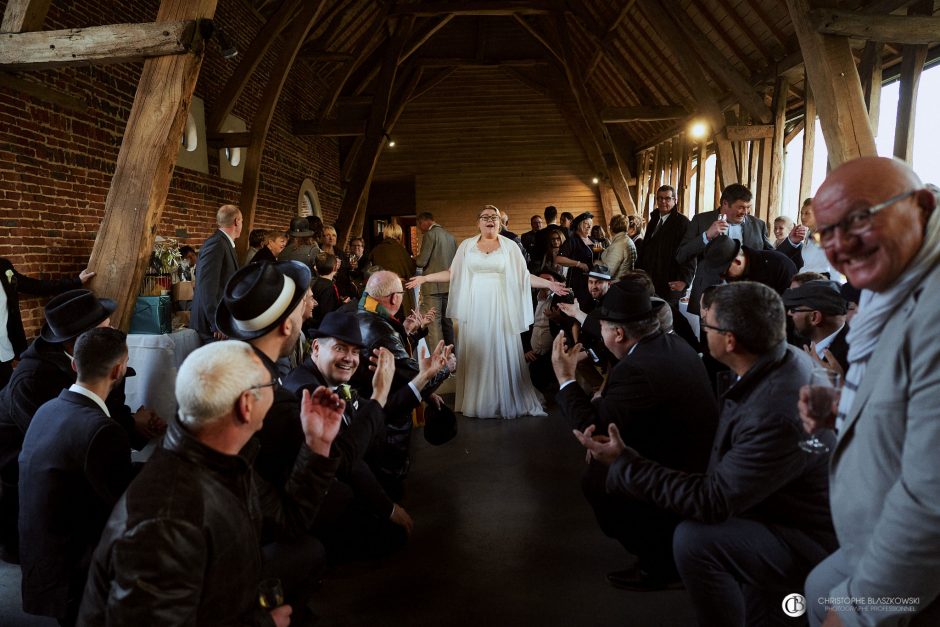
543	239
757	520
216	264
664	235
818	311
735	205
74	466
12	335
671	425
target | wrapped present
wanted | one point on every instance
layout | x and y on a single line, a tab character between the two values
152	315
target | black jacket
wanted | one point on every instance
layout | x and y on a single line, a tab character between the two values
215	265
770	267
183	545
756	469
15	283
75	465
659	253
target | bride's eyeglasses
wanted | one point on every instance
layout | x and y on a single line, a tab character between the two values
488	217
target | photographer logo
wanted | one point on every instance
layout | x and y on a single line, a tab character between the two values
794	605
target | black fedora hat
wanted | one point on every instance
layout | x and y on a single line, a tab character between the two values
440	424
600	271
259	297
299	227
627	303
581	218
71	313
719	254
341	326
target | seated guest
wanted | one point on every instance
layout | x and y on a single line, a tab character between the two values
75	464
757	520
538	342
274	244
672	425
343	281
782	227
806	277
817	310
325	291
358	519
182	544
44	371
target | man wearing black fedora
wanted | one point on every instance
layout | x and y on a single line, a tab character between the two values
358	517
674	427
43	372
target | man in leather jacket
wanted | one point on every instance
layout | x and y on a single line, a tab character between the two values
182	545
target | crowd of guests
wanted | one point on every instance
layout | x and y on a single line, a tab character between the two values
291	447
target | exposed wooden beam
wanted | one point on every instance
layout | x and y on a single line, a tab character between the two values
329	128
98	45
42	92
613	115
474	7
247	64
422	36
538	36
229	140
748	32
293	39
325	56
21	16
750	132
912	65
430	82
795	130
366	158
809	143
362	49
869	71
834	80
775	197
437	62
902	29
141	181
601	48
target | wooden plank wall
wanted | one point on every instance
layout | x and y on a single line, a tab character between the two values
482	137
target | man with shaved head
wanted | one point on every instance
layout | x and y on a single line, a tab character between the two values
878	225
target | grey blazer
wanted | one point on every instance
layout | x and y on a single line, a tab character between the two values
438	248
885	470
754	231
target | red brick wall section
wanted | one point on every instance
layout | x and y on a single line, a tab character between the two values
56	164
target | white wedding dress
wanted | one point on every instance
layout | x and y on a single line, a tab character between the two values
490	297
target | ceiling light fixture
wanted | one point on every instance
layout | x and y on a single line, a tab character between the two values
596	180
391	142
698	129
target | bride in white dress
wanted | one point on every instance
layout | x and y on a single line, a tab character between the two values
490	296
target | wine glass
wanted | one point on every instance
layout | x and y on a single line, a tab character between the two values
823	392
270	594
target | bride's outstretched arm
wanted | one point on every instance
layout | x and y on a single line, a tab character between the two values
556	287
437	277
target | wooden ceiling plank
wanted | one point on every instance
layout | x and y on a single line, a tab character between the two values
723	35
424	35
474	7
648	72
294	36
368	41
758	9
834	80
615	115
22	16
144	166
601	49
902	29
748	32
431	82
98	45
248	62
367	156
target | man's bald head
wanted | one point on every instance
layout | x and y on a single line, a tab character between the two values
386	287
874	256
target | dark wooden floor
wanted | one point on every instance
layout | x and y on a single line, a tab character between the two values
502	537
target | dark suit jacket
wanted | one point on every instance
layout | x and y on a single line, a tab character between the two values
659	253
16	283
676	429
543	244
74	467
770	267
214	267
840	348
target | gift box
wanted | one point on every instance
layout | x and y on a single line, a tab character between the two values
183	291
152	315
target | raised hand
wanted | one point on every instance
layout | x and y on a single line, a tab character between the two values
603	449
384	364
320	415
718	227
85	276
415	281
565	360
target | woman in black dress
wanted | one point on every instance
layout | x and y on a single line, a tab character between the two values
577	255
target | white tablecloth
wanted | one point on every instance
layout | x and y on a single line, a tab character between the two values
156	359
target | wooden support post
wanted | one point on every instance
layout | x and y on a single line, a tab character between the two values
870	70
834	79
700	179
775	198
657	179
141	181
912	64
642	177
607	198
293	40
809	144
685	180
755	152
21	16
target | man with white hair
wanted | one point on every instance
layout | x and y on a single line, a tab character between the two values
215	264
182	545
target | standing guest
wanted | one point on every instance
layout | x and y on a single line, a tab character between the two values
324	288
566	222
216	264
302	246
274	244
782	226
12	334
577	255
528	238
357	262
756	520
880	226
182	544
187	268
75	464
620	255
599	236
438	248
538	353
390	254
255	242
664	235
316	225
505	232
540	256
813	255
635	231
490	298
347	289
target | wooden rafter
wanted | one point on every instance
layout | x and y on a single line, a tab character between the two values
613	115
97	45
750	132
757	8
902	29
654	63
330	23
538	36
367	43
474	7
293	39
722	34
869	71
748	32
602	47
21	16
145	162
423	35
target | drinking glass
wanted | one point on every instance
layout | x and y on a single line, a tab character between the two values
270	594
823	388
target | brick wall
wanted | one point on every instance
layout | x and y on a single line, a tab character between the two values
56	164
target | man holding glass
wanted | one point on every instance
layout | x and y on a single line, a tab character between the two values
757	520
878	225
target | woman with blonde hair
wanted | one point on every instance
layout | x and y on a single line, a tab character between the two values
620	255
390	254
